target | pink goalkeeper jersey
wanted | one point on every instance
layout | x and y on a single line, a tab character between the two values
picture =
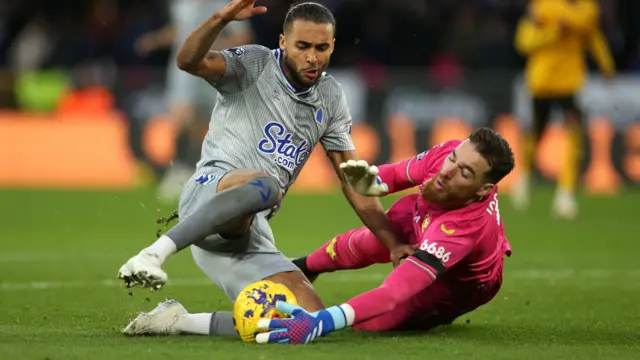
467	241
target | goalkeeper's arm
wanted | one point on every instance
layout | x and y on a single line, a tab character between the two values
396	175
413	171
404	282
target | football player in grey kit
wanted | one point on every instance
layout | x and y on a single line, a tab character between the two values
273	107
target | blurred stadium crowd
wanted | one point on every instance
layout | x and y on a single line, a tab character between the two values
62	55
470	33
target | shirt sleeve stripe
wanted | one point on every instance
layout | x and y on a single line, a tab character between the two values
408	173
417	263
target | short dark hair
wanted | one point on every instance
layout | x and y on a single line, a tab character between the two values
496	150
308	11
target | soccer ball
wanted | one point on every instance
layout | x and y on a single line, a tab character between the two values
258	301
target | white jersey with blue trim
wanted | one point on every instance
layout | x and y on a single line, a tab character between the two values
261	122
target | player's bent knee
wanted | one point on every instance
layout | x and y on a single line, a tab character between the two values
295	281
262	180
253	191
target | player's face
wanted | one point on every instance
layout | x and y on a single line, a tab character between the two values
307	48
461	179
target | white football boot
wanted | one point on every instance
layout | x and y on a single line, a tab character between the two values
143	269
159	321
565	205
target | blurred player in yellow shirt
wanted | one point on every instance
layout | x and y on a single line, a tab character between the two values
554	36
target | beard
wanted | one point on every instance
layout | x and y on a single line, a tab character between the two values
295	73
443	197
431	194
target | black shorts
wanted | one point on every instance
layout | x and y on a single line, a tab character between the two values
542	110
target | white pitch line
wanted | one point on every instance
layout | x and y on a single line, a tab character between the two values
548	275
27	257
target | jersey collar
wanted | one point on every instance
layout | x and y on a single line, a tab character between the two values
278	55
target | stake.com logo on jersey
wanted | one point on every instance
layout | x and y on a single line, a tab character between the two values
290	155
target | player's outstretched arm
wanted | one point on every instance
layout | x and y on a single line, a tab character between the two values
442	247
195	55
407	280
368	208
405	174
370	180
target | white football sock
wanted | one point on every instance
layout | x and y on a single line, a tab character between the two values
198	324
163	247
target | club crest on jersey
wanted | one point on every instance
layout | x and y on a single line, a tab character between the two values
278	141
319	115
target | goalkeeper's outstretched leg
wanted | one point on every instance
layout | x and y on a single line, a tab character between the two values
354	249
359	248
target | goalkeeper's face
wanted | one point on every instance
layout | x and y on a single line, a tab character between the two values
461	179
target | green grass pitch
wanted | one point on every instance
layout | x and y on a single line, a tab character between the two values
571	290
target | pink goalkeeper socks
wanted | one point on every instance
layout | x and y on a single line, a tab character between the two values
354	249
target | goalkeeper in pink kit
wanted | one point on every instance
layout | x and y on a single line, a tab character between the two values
454	225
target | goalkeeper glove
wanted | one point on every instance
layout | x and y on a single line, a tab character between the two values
302	327
363	178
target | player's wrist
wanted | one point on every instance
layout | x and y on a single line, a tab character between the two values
341	317
218	19
349	314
